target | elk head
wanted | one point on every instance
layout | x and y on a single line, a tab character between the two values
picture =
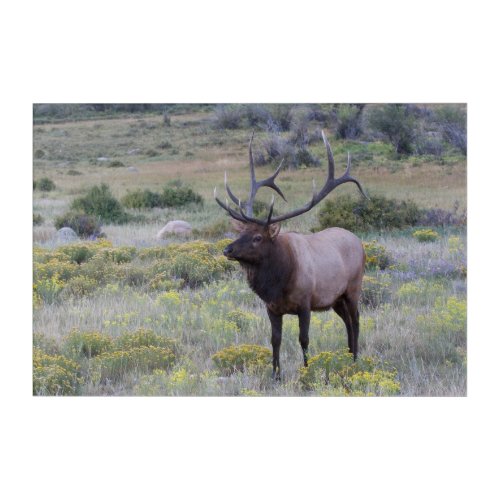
257	235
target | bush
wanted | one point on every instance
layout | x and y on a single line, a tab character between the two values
39	153
360	214
37	219
79	344
439	218
241	358
115	164
375	290
101	203
143	338
395	122
54	375
228	116
452	120
173	195
142	198
377	256
44	184
84	225
80	286
425	235
114	365
178	195
344	377
348	120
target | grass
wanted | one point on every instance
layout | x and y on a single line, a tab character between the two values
430	358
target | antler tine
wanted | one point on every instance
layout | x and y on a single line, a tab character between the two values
331	161
271	207
252	168
229	192
269	182
330	184
227	208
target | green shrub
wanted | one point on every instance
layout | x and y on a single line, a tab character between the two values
348	118
425	235
395	122
360	214
242	319
172	196
142	198
452	120
344	377
215	230
86	344
101	203
115	164
375	290
54	375
114	365
80	286
39	153
177	196
377	256
44	184
242	358
37	219
143	338
84	225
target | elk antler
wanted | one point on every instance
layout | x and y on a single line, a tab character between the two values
330	184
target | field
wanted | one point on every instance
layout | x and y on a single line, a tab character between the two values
129	314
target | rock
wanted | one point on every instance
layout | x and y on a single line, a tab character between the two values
102	158
66	234
133	151
174	227
133	169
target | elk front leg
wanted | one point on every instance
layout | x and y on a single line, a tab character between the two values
304	320
276	328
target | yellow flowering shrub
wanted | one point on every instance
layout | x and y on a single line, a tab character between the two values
114	365
143	337
242	319
425	235
375	290
170	298
86	344
54	375
242	358
344	377
377	256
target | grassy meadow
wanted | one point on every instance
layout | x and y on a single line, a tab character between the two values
127	314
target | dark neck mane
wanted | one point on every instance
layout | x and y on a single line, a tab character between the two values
270	279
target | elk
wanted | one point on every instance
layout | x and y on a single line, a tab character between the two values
297	273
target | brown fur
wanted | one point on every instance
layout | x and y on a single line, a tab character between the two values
296	273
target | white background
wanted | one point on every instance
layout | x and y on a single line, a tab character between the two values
229	51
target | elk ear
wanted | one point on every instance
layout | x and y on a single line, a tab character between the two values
238	225
274	230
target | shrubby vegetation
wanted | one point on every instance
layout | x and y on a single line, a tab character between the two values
44	184
100	203
84	225
336	374
173	195
361	215
153	320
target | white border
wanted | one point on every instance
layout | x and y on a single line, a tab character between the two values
246	448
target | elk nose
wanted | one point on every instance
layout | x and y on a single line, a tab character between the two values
228	251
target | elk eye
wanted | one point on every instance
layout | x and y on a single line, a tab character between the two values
257	238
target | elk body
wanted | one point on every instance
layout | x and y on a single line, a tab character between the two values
298	273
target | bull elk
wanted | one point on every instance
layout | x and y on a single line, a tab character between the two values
298	273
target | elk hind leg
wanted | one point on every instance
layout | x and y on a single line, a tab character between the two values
342	309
